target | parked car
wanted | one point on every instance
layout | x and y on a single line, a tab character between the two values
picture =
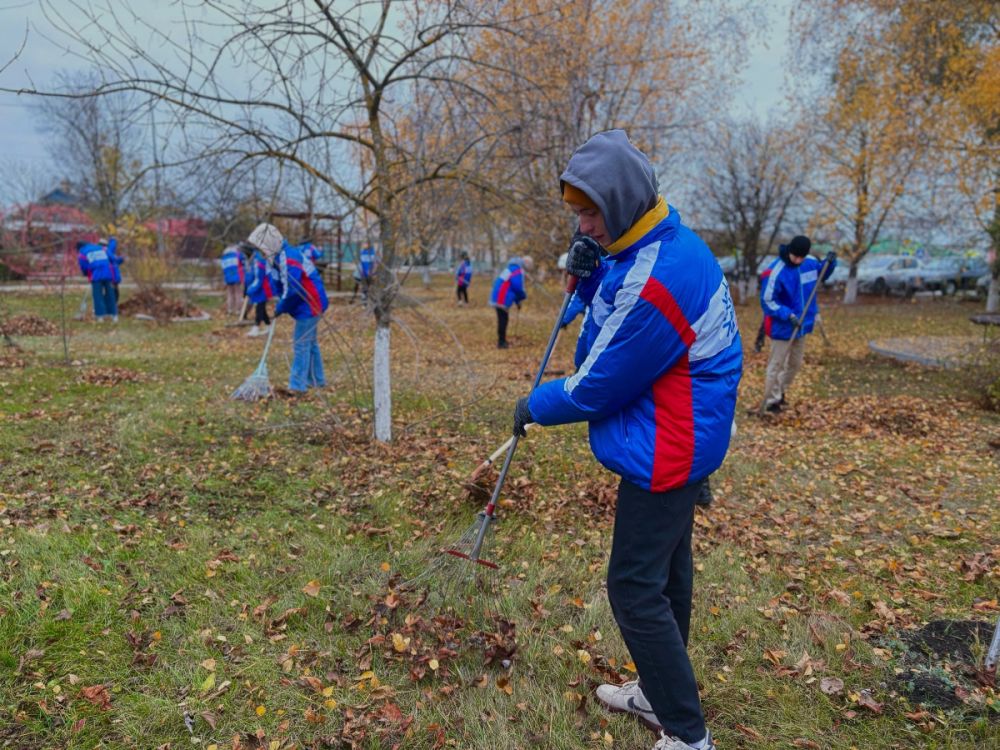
941	274
972	269
880	274
728	265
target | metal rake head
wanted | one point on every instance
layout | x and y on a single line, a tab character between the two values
459	580
254	388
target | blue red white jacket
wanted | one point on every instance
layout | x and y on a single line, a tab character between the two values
96	263
784	291
659	361
463	275
264	284
232	266
367	258
81	260
508	287
310	251
116	260
302	292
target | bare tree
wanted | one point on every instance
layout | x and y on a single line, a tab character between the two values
311	74
750	178
97	143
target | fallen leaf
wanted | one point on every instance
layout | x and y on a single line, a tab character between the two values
312	588
831	685
98	695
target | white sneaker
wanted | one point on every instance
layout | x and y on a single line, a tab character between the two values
114	319
255	331
628	699
666	742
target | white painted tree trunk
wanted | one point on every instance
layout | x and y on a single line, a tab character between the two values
383	387
993	298
851	290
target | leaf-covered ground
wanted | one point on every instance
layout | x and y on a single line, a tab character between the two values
180	570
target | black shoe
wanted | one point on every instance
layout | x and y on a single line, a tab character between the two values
774	408
503	345
781	401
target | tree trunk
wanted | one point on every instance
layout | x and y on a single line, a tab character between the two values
383	387
851	290
993	298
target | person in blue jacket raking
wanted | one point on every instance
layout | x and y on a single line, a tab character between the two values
234	276
303	297
659	363
786	286
508	290
463	277
98	266
262	287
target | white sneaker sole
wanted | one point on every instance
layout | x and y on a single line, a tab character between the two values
637	713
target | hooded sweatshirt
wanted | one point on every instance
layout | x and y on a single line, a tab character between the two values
659	357
623	188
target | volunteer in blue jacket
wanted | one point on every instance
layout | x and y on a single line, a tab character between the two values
508	289
463	277
304	298
786	286
261	288
98	266
233	274
657	373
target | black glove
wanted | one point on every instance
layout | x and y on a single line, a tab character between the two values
794	320
830	257
584	256
758	344
522	416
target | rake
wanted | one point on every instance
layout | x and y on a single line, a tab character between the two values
258	385
459	573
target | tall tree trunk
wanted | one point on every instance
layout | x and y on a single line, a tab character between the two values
382	382
993	298
851	290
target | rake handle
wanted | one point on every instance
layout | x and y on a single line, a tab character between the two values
491	505
494	456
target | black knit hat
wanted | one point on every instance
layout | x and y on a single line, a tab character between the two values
799	246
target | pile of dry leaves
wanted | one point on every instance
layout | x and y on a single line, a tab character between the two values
158	304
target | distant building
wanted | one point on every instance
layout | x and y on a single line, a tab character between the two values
38	240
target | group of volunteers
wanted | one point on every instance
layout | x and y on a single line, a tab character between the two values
101	264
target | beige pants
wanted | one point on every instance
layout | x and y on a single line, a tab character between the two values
782	367
234	298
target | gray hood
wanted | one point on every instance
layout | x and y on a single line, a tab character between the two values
618	178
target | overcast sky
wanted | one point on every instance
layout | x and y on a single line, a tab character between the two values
42	58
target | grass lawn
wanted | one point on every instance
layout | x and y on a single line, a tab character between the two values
180	570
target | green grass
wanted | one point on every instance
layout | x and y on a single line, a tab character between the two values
153	533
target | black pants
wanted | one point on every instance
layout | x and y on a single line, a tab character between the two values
115	287
650	579
462	293
502	318
262	316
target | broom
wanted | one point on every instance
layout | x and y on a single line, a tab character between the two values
258	385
